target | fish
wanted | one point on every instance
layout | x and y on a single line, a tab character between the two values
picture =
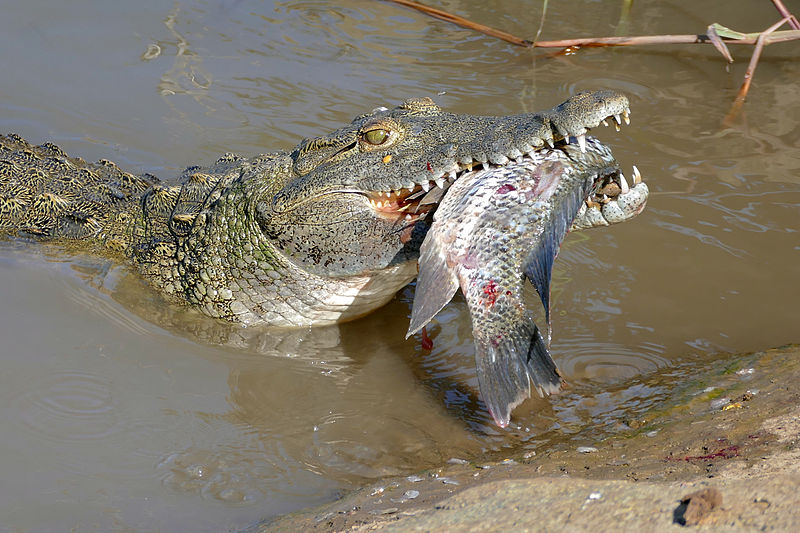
495	228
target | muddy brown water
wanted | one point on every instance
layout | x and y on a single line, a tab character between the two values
122	413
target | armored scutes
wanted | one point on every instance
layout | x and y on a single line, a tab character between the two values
325	233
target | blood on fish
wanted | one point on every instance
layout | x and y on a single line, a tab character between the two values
503	189
430	167
490	290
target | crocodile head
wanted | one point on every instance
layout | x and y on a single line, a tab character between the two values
361	197
360	200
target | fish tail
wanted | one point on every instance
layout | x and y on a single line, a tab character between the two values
508	364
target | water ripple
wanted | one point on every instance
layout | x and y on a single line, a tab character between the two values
69	406
608	362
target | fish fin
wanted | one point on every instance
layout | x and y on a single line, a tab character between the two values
436	285
507	366
538	266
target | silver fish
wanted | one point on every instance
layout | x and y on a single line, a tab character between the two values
493	229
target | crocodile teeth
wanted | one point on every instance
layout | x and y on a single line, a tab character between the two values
605	122
550	143
468	167
637	176
582	142
626	116
617	118
623	184
440	181
426	186
452	175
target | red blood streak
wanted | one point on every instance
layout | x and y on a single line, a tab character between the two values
724	453
490	290
427	342
506	188
430	168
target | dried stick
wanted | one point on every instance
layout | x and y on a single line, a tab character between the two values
461	21
741	38
701	38
717	35
751	68
793	23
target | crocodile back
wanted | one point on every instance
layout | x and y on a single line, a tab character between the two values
47	194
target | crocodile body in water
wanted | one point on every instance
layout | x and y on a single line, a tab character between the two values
325	233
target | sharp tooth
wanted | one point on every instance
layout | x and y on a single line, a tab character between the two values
582	142
626	116
550	143
452	176
469	167
605	122
605	199
566	139
440	182
623	184
408	216
410	189
637	176
617	118
426	186
616	126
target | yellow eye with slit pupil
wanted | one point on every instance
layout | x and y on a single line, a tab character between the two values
376	137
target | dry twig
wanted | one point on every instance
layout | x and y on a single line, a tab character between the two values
718	35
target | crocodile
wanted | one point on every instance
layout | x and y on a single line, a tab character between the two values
324	233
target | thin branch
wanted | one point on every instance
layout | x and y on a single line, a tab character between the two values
541	22
793	23
461	21
636	40
717	35
751	69
701	38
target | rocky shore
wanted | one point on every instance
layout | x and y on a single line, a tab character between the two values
722	455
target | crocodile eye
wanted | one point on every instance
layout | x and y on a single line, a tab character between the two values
376	137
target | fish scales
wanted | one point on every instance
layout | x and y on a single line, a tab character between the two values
493	229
